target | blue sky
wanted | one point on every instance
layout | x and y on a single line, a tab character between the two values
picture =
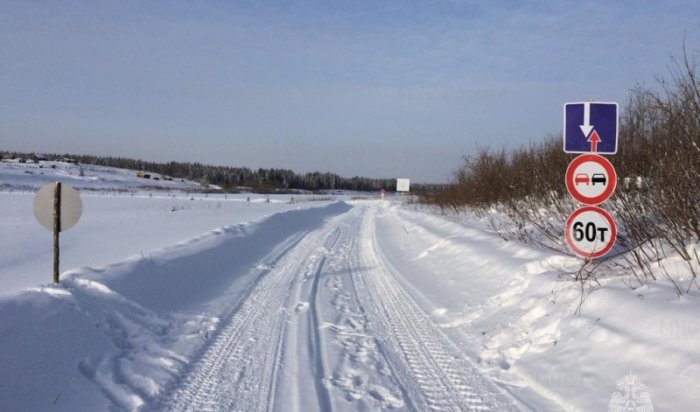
381	89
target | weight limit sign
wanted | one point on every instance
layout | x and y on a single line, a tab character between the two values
590	232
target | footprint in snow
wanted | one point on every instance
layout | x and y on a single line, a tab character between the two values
301	307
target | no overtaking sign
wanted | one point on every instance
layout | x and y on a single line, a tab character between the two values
591	179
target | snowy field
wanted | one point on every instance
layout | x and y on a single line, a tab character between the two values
27	176
121	217
115	227
198	303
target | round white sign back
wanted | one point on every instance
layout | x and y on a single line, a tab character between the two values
71	206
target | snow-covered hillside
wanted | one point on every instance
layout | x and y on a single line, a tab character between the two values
17	176
357	305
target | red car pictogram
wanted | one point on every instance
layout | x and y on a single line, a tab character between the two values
581	178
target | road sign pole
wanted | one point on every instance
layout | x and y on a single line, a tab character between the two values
56	229
57	207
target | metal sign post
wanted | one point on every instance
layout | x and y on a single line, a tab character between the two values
56	229
57	207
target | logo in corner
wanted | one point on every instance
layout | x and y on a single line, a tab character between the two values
632	396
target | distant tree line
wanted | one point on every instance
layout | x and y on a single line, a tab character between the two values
231	178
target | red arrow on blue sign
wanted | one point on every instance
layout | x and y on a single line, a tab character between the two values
594	139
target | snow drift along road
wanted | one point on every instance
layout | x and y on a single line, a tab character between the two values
125	326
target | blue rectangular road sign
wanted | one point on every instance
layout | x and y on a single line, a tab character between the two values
583	121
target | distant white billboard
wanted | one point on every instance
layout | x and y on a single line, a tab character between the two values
402	185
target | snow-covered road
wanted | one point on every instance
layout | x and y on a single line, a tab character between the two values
328	328
362	305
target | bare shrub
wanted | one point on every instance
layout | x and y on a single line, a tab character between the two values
657	204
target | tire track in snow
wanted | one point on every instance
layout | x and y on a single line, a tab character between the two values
436	373
201	389
360	370
328	327
317	351
332	362
298	382
237	371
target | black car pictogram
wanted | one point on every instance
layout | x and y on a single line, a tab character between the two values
598	178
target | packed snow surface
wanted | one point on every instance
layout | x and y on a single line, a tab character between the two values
318	306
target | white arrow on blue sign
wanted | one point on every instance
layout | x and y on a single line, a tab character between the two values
590	127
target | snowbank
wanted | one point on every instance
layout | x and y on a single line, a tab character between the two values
113	228
514	310
116	335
